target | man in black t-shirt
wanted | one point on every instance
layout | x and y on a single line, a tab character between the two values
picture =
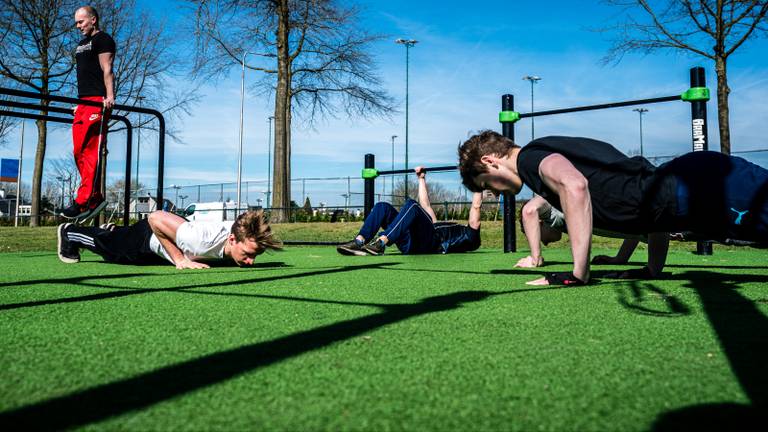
591	182
414	229
96	83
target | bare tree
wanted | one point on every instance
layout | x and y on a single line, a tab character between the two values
313	57
713	29
7	124
37	42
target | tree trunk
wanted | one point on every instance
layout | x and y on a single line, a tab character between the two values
37	174
281	198
722	104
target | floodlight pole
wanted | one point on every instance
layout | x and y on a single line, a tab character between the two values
392	180
641	111
408	44
240	148
269	160
18	177
533	79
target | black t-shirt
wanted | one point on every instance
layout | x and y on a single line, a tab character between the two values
627	195
90	76
454	238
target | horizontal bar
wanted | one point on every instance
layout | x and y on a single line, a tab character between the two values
34	116
428	169
49	109
74	101
602	106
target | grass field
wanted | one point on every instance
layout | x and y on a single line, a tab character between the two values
310	340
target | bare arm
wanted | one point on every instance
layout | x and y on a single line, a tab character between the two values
165	225
424	194
474	212
105	61
530	215
559	174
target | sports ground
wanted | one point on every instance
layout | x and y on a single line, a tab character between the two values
311	340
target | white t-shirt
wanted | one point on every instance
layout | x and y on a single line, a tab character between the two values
198	241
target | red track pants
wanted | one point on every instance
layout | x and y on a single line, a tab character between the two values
87	137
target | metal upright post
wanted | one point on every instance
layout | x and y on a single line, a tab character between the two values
699	135
508	130
368	188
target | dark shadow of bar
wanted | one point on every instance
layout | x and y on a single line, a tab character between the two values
131	394
742	330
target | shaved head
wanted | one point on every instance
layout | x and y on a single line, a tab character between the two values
90	11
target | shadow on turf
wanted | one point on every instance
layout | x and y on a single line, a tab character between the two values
742	329
120	397
124	291
634	295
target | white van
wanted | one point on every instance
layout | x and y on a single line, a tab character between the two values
213	211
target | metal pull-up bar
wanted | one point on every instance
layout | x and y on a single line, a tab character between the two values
128	139
157	114
697	95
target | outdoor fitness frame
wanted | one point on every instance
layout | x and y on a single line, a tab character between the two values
697	95
129	128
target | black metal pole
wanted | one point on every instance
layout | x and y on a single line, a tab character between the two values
368	186
699	135
508	130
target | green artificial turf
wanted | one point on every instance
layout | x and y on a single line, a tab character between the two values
310	340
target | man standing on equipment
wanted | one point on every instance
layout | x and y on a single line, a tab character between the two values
95	55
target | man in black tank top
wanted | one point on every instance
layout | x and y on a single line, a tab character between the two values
594	184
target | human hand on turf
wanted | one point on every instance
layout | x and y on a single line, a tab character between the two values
420	172
187	263
540	281
530	262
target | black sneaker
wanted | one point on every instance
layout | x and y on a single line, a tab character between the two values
354	247
375	247
75	211
95	209
107	226
68	252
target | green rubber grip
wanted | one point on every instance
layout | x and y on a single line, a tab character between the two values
370	173
694	94
509	116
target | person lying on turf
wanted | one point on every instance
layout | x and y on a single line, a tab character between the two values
414	229
707	193
164	236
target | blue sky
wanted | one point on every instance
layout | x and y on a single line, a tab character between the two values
468	55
